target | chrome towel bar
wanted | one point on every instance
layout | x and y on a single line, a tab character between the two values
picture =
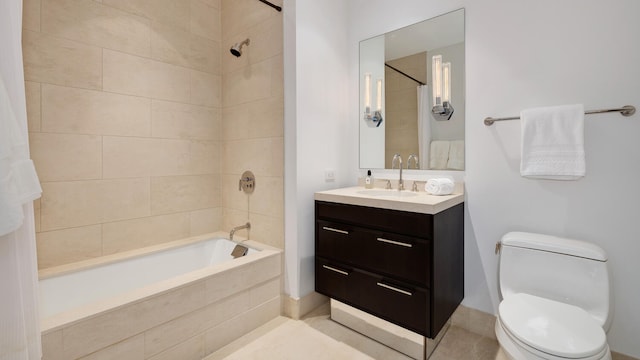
626	110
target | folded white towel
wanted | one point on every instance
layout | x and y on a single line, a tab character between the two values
439	154
553	142
439	186
456	155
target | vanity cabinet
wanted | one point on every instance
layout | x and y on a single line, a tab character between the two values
404	267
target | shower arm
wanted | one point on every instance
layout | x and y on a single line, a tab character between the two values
278	8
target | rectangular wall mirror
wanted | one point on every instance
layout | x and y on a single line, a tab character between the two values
412	96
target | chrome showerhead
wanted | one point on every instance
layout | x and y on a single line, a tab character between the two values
236	49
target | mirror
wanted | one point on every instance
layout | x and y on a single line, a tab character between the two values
400	113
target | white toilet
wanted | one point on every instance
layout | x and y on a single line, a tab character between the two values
556	302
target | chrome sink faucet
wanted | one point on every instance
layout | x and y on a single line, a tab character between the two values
415	161
398	158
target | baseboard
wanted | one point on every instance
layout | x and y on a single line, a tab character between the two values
297	308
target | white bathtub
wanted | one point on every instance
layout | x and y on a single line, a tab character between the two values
139	298
72	290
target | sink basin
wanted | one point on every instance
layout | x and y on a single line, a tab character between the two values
390	193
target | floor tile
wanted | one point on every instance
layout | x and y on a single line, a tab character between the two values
316	337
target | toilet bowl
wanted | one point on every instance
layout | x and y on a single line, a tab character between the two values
529	327
555	299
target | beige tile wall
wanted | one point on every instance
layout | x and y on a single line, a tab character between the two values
125	120
141	121
252	109
402	106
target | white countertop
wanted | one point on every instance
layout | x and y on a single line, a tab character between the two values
419	202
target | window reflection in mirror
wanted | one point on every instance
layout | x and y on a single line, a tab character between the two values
419	115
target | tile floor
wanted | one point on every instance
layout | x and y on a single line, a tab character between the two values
316	337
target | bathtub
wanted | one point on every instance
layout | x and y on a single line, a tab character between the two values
183	300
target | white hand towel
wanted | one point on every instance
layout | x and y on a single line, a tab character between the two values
26	180
11	214
553	143
439	154
439	186
456	155
18	179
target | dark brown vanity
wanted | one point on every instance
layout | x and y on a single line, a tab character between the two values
406	267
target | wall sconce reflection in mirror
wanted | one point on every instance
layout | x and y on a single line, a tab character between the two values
441	72
374	119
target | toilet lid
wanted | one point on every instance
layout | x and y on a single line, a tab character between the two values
552	327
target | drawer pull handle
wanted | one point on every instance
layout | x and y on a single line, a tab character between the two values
335	230
394	289
335	270
395	242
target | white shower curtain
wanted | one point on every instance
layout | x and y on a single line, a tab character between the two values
424	126
19	186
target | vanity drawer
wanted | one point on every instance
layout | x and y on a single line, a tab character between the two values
336	240
402	257
399	222
333	279
397	302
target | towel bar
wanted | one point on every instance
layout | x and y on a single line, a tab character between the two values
626	110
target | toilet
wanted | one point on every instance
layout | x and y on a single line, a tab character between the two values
555	298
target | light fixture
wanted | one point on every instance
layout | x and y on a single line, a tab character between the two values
441	82
376	117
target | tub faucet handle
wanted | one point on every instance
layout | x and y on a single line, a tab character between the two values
247	182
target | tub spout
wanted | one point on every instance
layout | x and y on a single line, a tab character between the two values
233	231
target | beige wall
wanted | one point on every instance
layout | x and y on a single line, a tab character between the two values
401	130
125	103
253	113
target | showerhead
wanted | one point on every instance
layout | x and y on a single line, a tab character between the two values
236	49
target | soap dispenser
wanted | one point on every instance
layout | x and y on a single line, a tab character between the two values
368	181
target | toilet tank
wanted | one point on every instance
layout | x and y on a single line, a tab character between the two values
570	271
